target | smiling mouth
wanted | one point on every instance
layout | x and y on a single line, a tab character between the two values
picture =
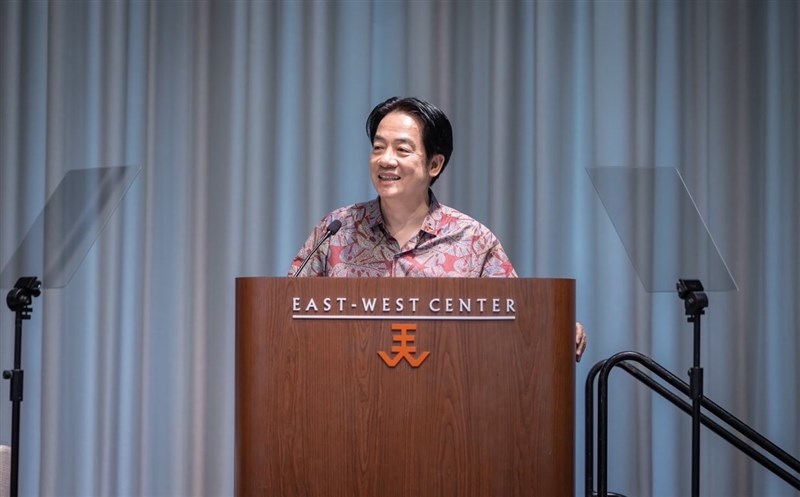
388	177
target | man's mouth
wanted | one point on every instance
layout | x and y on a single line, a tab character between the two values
388	177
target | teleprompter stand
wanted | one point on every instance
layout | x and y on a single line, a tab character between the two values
19	300
666	239
695	301
70	222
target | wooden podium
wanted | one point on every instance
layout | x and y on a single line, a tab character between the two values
489	410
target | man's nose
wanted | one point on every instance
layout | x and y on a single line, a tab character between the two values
388	159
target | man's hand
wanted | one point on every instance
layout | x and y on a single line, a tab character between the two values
580	341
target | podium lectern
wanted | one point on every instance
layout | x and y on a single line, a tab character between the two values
383	387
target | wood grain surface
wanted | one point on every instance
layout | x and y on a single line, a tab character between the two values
489	413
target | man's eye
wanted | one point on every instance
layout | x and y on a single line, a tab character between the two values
404	151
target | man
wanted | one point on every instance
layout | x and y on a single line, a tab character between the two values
405	231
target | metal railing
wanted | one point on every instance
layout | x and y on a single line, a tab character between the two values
624	360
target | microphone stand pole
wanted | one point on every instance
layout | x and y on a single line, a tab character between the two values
18	300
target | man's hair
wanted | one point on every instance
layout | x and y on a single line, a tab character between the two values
437	133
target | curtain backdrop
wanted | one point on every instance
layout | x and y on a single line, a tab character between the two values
247	119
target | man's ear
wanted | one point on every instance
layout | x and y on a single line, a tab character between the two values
436	165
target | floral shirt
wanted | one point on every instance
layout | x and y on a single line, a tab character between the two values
449	244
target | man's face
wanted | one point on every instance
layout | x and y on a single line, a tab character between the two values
397	165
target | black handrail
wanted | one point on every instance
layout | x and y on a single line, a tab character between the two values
603	368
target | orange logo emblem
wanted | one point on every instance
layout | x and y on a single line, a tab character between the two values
406	348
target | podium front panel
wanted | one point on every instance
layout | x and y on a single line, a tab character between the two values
404	387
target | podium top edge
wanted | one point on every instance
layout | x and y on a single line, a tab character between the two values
422	278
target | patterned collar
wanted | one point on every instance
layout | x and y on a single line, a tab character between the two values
431	224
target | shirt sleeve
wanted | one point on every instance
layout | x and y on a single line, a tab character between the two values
497	264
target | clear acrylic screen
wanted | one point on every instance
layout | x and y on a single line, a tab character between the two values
660	227
68	225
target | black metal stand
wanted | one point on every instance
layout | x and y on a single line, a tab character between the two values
695	301
19	301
